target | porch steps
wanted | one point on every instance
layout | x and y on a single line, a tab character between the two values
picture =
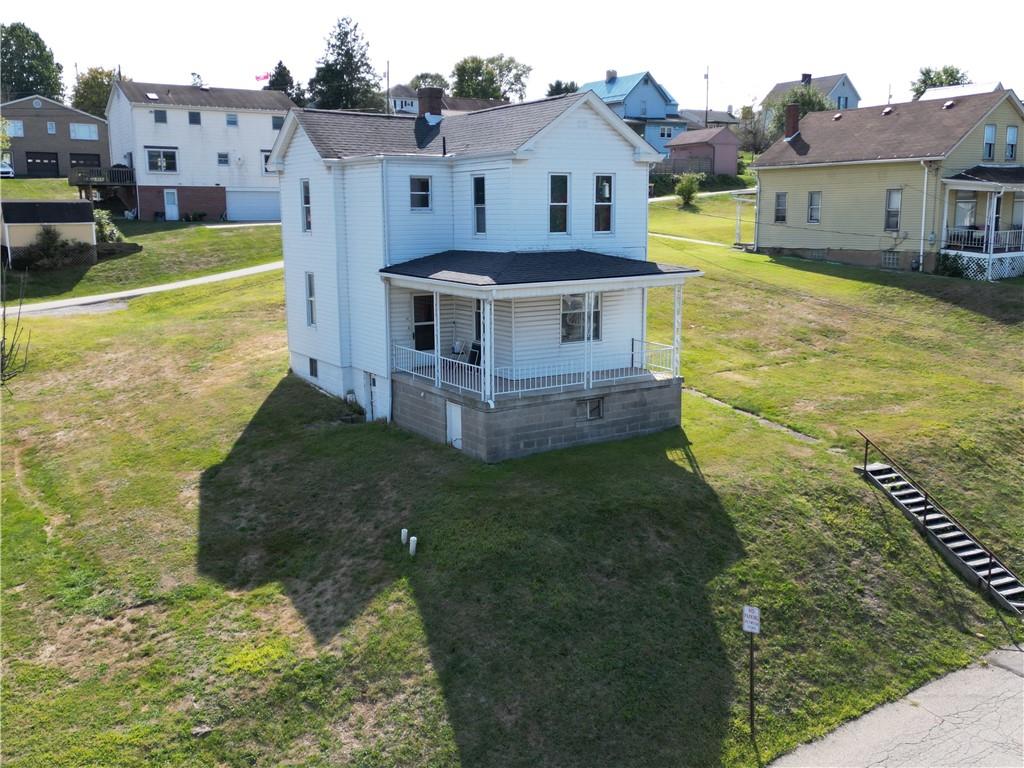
963	551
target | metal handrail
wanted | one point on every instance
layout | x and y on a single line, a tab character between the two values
936	505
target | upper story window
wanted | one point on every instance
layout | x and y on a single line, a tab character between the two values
665	132
84	131
307	208
989	152
195	118
603	203
842	102
276	121
643	107
558	203
222	158
479	205
159	115
814	207
780	207
574	317
893	203
232	119
419	192
310	300
51	127
162	160
15	128
1011	142
265	156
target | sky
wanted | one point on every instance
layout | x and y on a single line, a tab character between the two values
746	46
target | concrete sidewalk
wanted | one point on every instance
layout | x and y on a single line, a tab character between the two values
53	307
973	718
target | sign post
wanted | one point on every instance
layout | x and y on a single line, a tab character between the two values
752	626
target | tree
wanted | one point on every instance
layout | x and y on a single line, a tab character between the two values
92	89
510	75
429	80
807	97
475	78
557	88
344	77
27	66
933	78
752	132
281	80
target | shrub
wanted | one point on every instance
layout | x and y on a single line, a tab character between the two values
687	187
51	251
106	229
948	265
664	184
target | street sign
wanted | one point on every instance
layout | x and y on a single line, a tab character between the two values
751	619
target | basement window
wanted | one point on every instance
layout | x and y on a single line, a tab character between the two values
890	260
594	408
313	372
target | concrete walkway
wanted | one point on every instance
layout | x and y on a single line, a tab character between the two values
663	198
973	718
688	240
60	306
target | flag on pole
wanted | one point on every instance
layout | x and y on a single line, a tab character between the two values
264	76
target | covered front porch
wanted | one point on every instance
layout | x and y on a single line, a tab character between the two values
983	221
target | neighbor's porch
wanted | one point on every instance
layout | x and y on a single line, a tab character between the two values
983	222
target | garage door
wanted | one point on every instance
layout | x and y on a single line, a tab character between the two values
84	161
42	165
253	206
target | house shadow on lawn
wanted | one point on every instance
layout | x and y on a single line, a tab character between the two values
1002	302
563	595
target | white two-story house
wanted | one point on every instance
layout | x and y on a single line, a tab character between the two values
480	279
186	149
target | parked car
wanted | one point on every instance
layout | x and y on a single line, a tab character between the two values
6	171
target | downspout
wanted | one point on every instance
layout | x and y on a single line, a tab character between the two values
757	209
924	210
387	285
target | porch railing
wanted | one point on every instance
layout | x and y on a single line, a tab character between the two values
536	378
653	356
461	375
84	176
1009	240
977	240
417	362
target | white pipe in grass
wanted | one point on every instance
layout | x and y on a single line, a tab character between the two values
405	535
412	546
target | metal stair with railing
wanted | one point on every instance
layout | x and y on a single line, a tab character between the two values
951	538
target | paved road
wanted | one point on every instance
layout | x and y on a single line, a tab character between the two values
56	307
973	718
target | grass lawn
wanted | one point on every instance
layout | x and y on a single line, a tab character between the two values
37	189
170	252
195	543
710	218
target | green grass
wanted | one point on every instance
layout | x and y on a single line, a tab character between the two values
169	252
711	218
37	189
194	539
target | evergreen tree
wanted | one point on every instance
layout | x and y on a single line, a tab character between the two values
557	88
281	80
344	77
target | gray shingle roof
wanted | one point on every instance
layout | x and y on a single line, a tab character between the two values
702	136
823	84
695	117
484	268
916	129
337	134
992	174
194	96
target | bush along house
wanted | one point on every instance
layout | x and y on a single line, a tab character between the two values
926	185
480	279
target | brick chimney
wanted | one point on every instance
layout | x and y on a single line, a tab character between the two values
430	101
792	121
805	78
610	75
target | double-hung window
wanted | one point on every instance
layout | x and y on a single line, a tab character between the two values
558	203
159	115
479	205
222	158
16	128
419	192
814	207
893	203
603	203
780	207
965	212
162	159
195	118
232	119
307	208
574	317
665	132
310	300
51	127
1011	142
84	131
989	152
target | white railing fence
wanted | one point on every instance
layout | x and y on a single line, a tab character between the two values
534	378
653	356
1009	240
460	375
414	361
965	238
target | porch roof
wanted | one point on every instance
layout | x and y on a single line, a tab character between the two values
1009	176
490	270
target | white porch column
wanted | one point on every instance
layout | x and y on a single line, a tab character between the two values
588	337
677	330
487	349
945	216
437	339
739	208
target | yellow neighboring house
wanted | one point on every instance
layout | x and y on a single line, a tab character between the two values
894	186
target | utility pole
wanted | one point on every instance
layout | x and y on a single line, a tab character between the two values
387	78
707	93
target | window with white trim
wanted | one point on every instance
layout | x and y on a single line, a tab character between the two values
419	192
574	317
1011	142
989	152
265	157
780	207
231	119
162	159
594	408
893	204
814	207
965	211
423	322
665	132
84	131
159	115
603	203
195	118
51	127
307	208
223	158
479	205
558	203
314	368
310	300
15	129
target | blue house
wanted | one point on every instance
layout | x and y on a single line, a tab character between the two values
646	106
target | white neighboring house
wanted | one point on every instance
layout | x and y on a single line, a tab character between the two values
480	279
195	149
